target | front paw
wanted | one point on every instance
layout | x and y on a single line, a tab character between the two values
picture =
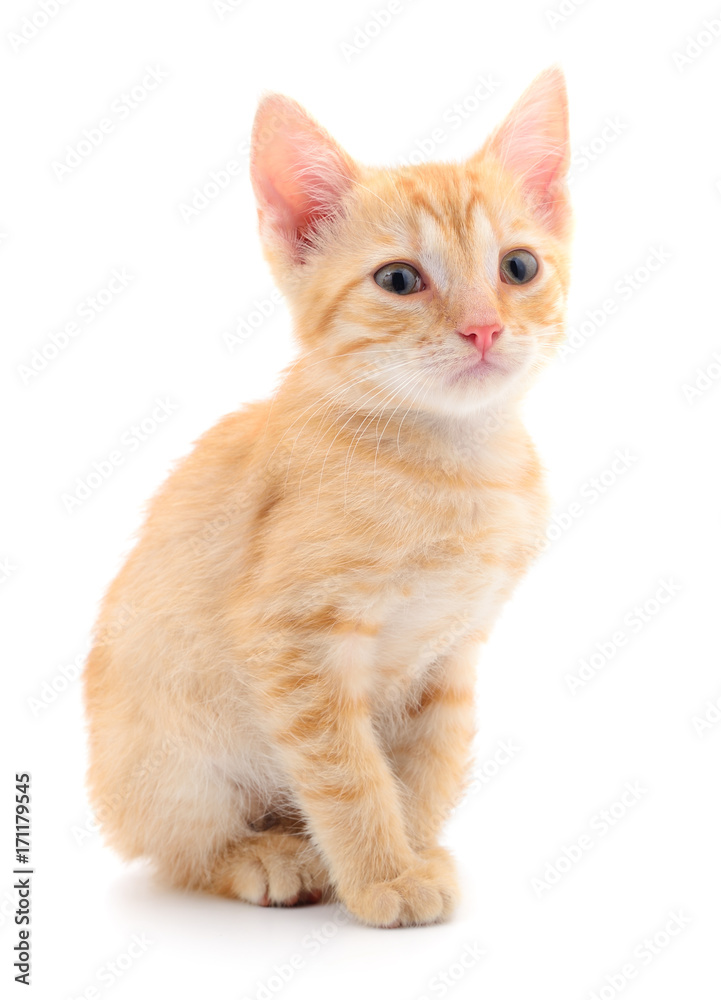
443	864
424	893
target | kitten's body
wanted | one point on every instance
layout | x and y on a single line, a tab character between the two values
287	704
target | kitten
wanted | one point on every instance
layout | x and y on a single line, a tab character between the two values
280	697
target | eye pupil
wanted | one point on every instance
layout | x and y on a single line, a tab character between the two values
398	280
517	268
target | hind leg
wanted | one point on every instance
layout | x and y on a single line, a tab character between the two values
219	839
200	829
272	867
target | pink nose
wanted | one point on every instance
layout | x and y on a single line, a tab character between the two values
482	336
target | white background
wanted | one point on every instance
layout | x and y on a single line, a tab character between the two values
652	186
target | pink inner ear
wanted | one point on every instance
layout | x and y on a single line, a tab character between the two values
285	194
533	141
299	173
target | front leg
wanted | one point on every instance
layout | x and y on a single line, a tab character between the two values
431	748
351	801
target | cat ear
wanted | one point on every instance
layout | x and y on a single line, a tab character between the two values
533	143
299	175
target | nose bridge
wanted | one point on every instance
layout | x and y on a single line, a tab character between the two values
476	299
477	295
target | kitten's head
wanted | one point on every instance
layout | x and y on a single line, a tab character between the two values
441	286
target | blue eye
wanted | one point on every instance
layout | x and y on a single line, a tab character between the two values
401	279
518	267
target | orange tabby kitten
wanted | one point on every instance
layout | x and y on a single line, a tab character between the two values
280	696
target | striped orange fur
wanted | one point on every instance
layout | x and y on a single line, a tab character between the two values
286	709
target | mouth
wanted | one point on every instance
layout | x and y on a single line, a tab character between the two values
478	369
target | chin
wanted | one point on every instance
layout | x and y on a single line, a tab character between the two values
476	387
